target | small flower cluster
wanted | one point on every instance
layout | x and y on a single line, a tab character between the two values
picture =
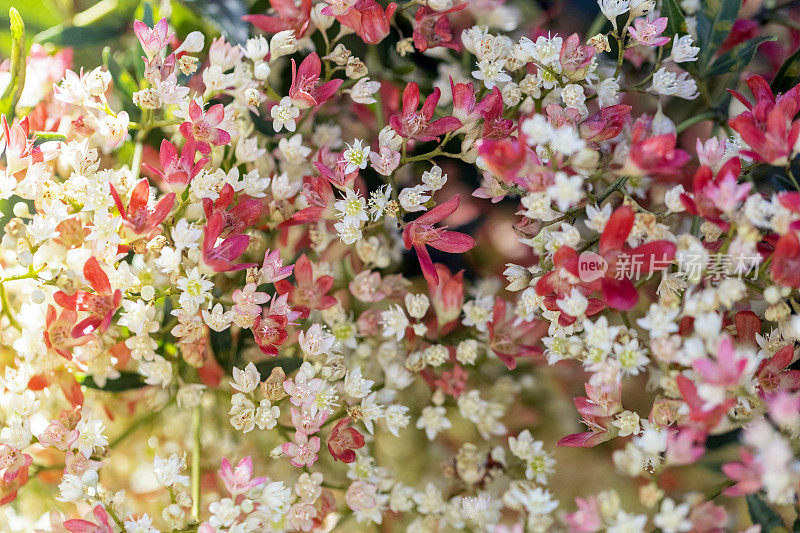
396	292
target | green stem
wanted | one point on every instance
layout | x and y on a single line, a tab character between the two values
196	420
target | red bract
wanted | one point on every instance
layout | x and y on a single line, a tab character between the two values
491	110
152	40
414	124
138	217
178	171
574	56
420	232
767	127
219	258
791	201
368	19
513	162
269	331
344	440
101	305
304	91
234	221
309	292
319	197
706	189
290	16
597	409
336	176
432	29
19	151
785	266
509	340
203	130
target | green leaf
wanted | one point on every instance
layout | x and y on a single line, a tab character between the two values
788	74
126	381
738	57
714	23
10	97
221	343
225	15
763	515
676	23
288	364
124	83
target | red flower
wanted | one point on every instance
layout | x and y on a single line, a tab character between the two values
368	19
606	123
509	340
420	232
767	126
413	124
432	29
491	109
617	290
699	412
269	331
234	221
139	218
785	265
58	332
597	409
447	296
18	149
101	305
177	171
574	56
657	155
203	130
219	258
310	292
344	440
290	16
304	91
706	189
319	197
773	374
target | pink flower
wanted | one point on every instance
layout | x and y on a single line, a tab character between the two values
774	376
202	129
747	474
574	56
239	480
269	332
420	233
178	171
12	462
302	390
304	91
309	292
655	155
709	192
785	266
432	29
699	412
308	419
647	31
587	519
447	296
768	127
344	440
290	16
100	525
417	124
606	123
369	20
726	371
220	257
303	451
273	269
152	40
138	217
248	301
597	410
384	162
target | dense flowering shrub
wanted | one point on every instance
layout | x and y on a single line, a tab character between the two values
428	266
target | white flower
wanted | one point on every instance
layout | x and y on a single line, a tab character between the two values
683	49
395	322
168	470
669	83
673	518
627	523
158	371
397	418
363	90
243	413
267	415
143	524
246	380
433	420
356	156
412	198
195	290
566	191
91	436
613	8
256	48
355	385
352	209
283	114
434	179
491	73
71	488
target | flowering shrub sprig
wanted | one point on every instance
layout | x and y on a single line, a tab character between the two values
307	282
